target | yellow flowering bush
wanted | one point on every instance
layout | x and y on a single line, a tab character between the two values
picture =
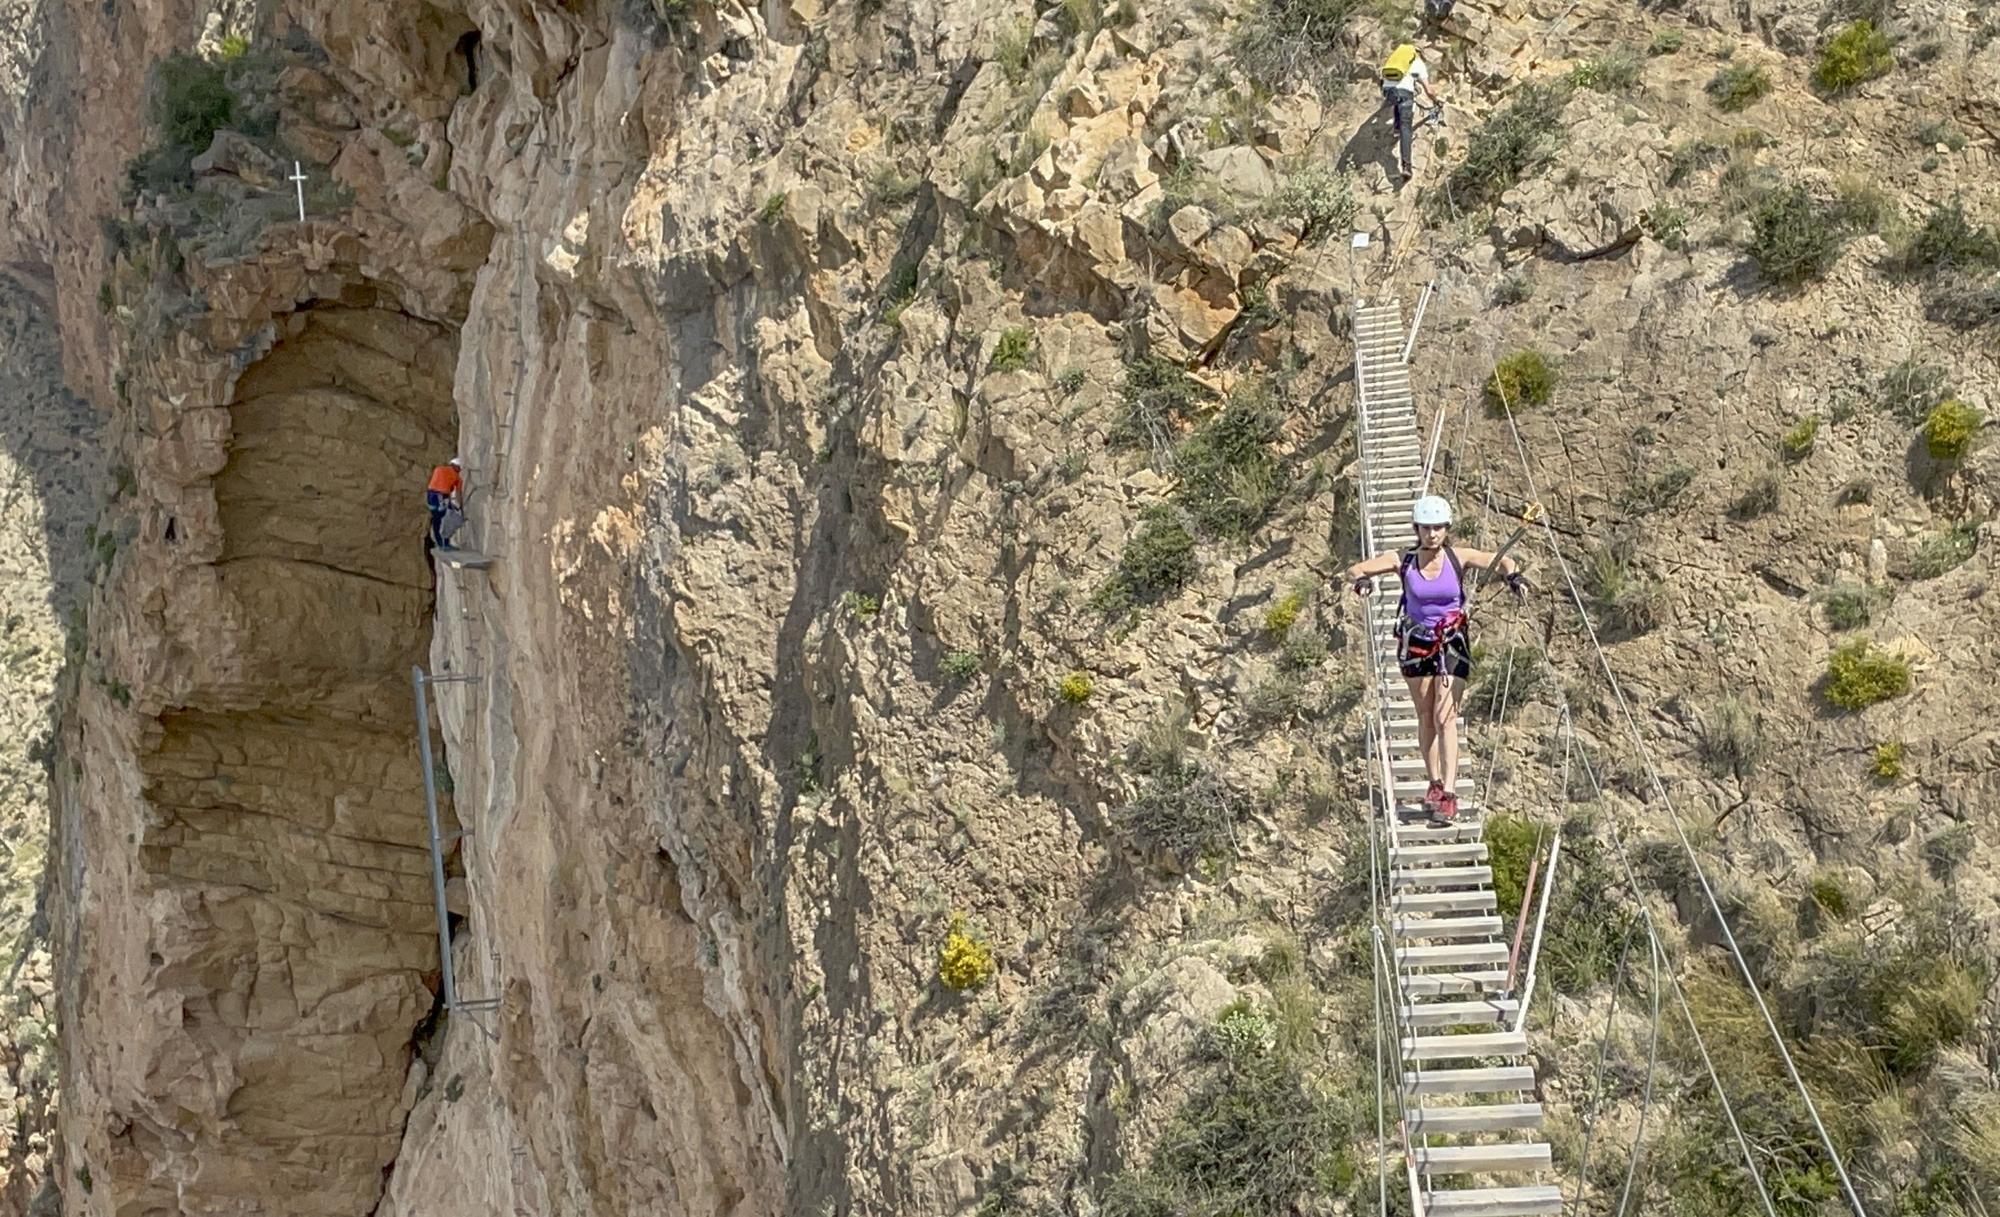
966	960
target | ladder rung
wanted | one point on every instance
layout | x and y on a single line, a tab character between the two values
1446	927
1490	1079
1480	1159
1538	1201
1442	876
1458	1013
1443	902
1473	1117
1453	955
1437	854
1440	984
1458	1047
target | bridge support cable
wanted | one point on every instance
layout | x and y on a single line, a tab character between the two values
1680	830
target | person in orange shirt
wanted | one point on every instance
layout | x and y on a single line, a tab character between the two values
447	481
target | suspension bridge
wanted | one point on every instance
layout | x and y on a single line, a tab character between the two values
1454	983
1454	988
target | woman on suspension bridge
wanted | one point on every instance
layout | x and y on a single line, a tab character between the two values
1432	646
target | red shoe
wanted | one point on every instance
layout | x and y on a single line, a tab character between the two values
1447	809
1432	796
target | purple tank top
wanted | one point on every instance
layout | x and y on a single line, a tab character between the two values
1429	601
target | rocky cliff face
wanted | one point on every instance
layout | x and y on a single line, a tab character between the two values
841	389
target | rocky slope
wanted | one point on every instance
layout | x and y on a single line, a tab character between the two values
841	388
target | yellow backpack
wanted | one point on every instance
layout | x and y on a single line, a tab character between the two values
1397	65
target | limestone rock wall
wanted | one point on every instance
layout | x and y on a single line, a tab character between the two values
791	352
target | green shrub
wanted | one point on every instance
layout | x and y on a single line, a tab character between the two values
1515	675
1941	133
1283	612
1736	86
1940	1006
1942	552
1159	559
1625	601
1949	850
1888	763
1831	894
1658	493
959	665
1668	222
1188	812
1858	675
1950	238
1510	845
1911	388
1615	71
1732	736
1857	54
1282	44
1692	155
1797	443
1794	237
862	605
1012	49
1158	398
1760	496
1517	140
1524	378
888	188
1861	205
231	48
1076	688
1321	199
773	208
191	101
1514	289
1949	429
1227	472
1012	352
1666	42
1274	700
1241	1033
1847	606
1258	1136
1305	650
1964	300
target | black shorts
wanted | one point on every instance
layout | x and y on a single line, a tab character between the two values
1453	656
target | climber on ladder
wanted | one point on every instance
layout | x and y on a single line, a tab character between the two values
1403	73
444	497
1433	644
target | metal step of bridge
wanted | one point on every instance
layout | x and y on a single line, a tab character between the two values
1482	1159
1486	1079
1472	1118
1464	1047
1537	1201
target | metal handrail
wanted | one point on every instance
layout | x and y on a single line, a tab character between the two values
1521	921
1541	917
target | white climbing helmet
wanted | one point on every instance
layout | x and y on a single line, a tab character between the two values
456	463
1431	509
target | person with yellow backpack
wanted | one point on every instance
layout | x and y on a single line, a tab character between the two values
1403	73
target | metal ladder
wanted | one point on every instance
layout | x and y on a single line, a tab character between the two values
1453	974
